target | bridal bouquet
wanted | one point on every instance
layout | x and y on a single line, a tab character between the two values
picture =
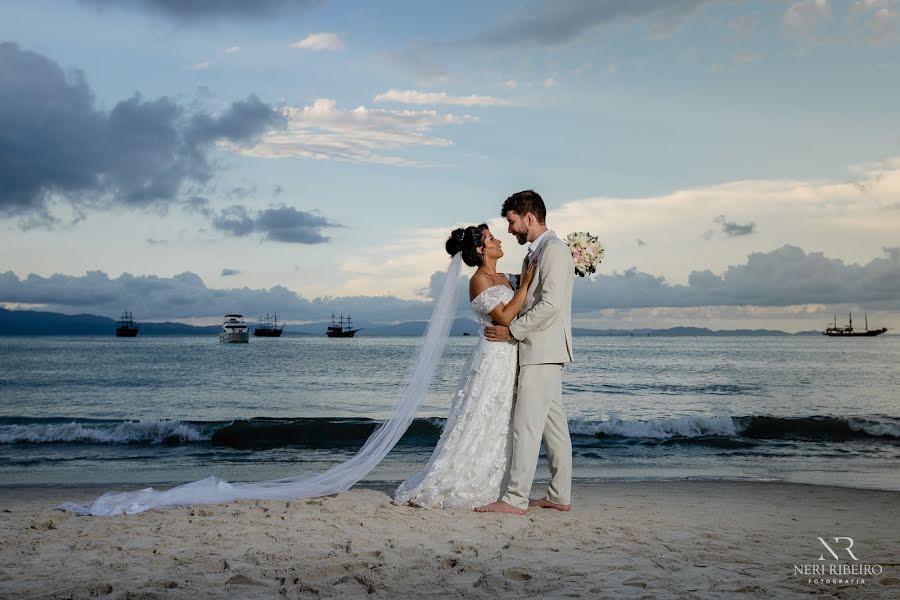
587	252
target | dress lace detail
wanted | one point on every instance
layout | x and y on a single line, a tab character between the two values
469	463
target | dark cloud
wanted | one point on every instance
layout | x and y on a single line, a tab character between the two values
242	123
185	296
278	224
786	276
201	10
56	145
783	277
732	229
640	242
550	22
226	272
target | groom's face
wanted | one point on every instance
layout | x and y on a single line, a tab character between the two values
518	226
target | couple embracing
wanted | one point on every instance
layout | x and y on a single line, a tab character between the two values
509	393
508	397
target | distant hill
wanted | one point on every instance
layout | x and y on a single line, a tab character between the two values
31	322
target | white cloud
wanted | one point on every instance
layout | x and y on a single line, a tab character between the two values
806	15
319	42
852	219
418	97
200	66
326	132
881	19
232	50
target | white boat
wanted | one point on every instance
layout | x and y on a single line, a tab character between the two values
234	330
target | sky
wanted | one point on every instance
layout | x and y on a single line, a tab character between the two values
739	161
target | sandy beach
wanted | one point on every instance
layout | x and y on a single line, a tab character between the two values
665	539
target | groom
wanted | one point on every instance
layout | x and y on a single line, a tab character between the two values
544	331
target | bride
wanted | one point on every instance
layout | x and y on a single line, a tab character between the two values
468	465
470	459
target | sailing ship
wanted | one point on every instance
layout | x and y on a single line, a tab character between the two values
342	328
234	330
847	331
126	327
268	326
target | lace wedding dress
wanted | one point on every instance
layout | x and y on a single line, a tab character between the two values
469	463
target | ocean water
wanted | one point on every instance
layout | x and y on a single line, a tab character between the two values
166	410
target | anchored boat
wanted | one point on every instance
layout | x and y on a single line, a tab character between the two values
234	330
342	328
847	330
268	326
126	327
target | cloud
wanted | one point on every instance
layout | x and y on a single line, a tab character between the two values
155	242
549	23
783	277
732	229
185	296
203	10
881	19
200	66
277	224
226	272
323	131
805	15
319	42
58	147
640	242
418	97
786	277
232	50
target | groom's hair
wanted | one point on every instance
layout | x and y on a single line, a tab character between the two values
527	201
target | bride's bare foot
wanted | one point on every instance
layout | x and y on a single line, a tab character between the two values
544	503
500	507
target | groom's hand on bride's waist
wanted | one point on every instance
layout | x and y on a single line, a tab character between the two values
497	333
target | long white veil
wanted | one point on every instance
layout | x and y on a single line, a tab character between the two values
339	478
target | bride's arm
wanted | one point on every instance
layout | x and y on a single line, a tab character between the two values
503	314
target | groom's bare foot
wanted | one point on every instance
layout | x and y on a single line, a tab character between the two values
544	503
501	507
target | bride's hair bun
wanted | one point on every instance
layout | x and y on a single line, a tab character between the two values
455	241
467	241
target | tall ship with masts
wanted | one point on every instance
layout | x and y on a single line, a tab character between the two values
341	328
126	327
847	330
268	326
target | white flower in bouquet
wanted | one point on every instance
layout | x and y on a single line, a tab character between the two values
587	252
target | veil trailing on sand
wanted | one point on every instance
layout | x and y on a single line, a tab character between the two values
337	479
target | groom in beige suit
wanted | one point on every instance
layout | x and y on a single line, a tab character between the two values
544	331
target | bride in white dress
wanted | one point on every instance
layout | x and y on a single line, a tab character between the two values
470	460
469	463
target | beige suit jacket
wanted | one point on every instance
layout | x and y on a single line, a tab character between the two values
544	325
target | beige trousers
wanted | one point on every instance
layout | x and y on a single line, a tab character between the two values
539	414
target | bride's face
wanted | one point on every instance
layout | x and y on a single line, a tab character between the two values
492	245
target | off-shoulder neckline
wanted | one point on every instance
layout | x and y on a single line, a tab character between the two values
500	285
